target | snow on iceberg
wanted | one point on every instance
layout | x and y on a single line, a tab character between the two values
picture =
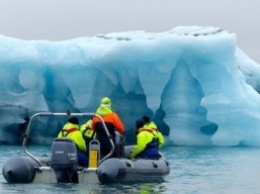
195	83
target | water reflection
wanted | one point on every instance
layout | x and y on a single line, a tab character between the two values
193	170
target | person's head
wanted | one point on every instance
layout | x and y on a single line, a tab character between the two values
106	101
73	120
138	124
146	119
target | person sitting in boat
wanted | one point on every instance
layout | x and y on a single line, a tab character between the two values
147	142
112	122
88	132
148	124
71	131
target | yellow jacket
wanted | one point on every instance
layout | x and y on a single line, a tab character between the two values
143	138
72	132
87	130
152	125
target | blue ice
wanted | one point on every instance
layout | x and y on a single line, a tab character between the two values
196	84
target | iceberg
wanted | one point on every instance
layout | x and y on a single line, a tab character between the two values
193	81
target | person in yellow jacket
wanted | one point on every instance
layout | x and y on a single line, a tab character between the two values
147	142
71	131
88	132
151	125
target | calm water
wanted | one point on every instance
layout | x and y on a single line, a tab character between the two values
193	171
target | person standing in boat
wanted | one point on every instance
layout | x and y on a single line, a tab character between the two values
148	124
113	124
147	142
71	131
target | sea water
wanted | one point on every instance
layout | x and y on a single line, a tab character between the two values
194	170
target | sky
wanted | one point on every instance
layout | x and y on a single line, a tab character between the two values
57	20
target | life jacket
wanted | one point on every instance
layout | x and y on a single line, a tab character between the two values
88	132
72	132
88	135
153	126
66	132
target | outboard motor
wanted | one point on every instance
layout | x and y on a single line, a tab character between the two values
64	160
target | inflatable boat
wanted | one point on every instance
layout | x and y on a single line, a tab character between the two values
62	165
